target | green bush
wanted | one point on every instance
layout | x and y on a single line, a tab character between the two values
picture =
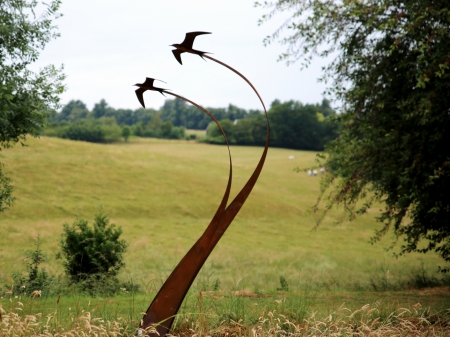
93	255
112	132
103	130
85	130
177	132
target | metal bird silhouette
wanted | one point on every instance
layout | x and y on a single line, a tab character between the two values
161	312
186	46
147	85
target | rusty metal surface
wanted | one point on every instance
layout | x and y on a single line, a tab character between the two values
161	312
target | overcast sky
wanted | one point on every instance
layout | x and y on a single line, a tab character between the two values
106	46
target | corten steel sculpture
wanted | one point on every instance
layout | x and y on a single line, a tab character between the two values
161	312
186	46
147	85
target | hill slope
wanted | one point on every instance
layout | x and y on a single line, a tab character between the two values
164	193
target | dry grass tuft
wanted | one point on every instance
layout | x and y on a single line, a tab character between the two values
14	324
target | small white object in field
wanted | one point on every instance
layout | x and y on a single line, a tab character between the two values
314	172
310	173
291	157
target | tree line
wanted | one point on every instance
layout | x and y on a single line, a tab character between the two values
293	124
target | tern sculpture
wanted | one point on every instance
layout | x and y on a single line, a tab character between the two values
147	85
186	46
162	310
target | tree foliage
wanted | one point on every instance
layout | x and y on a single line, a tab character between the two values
391	72
26	98
6	197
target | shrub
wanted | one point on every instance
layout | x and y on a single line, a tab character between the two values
37	279
111	131
284	286
191	137
88	131
177	132
166	128
92	255
214	135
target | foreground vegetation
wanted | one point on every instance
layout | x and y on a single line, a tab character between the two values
231	313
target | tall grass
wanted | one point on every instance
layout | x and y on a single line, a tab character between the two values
15	320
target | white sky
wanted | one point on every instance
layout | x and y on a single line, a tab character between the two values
107	46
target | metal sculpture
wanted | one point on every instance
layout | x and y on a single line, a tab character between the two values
147	85
161	312
186	46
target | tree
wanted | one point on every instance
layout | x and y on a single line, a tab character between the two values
92	252
243	131
166	127
391	73
72	111
295	125
101	109
213	132
26	98
174	111
126	132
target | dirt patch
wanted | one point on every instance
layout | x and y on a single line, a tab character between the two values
437	291
246	293
242	293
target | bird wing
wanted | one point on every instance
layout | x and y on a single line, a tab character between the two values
189	39
139	94
177	54
149	82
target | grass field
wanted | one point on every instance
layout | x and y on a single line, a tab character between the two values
164	193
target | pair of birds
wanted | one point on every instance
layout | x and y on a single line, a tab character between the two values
183	47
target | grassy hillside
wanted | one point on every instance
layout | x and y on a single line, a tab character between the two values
164	193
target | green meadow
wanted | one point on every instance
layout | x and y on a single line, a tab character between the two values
163	194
